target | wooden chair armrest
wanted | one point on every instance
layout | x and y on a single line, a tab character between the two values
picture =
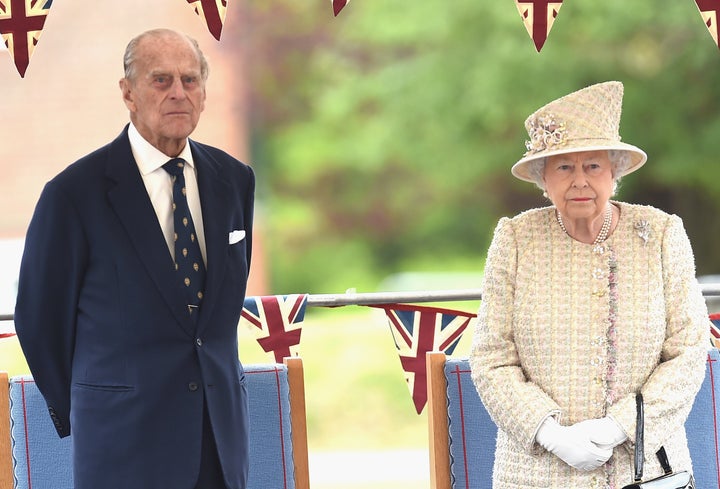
298	418
6	466
439	443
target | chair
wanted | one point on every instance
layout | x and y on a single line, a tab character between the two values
462	435
278	432
278	429
6	475
702	426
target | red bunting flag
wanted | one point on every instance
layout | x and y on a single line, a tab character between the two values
212	12
710	12
21	23
418	330
279	320
538	17
715	330
338	5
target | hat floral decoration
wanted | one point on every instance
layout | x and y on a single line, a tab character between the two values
585	120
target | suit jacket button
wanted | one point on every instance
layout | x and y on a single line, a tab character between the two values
193	386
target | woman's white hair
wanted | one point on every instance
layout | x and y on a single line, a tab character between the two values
619	159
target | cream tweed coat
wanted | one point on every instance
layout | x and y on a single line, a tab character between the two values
574	330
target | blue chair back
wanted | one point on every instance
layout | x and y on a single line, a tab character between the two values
42	460
271	445
471	433
702	426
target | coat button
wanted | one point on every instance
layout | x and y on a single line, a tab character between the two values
192	386
198	342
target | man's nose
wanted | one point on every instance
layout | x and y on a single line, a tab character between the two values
177	90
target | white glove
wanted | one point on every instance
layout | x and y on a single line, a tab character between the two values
572	445
603	432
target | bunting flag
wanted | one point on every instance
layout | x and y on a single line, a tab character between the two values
538	17
710	12
715	330
21	23
212	12
7	329
338	5
418	330
279	319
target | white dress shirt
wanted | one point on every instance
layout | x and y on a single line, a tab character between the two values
159	187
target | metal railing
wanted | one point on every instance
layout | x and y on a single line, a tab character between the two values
372	298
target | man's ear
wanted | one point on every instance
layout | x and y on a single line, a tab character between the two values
127	93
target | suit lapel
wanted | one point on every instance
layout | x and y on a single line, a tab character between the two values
131	203
216	210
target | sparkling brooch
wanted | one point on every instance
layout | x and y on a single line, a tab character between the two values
545	132
643	229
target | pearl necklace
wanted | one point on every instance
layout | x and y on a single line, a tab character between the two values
604	230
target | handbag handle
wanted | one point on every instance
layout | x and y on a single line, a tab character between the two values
639	437
640	443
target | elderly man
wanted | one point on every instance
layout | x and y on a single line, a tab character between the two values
131	286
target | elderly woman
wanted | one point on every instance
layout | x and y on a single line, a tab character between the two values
585	303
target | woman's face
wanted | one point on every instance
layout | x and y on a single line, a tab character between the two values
579	184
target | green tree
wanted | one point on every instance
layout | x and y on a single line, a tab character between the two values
384	136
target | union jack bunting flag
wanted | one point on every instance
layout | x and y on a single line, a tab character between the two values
212	12
279	319
418	330
710	12
538	17
715	330
21	23
338	5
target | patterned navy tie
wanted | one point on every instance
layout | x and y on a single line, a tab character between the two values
188	259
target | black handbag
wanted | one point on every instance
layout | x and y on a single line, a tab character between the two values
670	479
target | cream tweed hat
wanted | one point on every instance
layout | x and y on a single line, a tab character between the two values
585	120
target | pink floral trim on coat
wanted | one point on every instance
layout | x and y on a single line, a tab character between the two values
611	393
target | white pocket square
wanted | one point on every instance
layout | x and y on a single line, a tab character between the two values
236	236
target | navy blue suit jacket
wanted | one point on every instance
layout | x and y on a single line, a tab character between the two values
103	322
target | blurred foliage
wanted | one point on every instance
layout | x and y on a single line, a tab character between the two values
383	138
